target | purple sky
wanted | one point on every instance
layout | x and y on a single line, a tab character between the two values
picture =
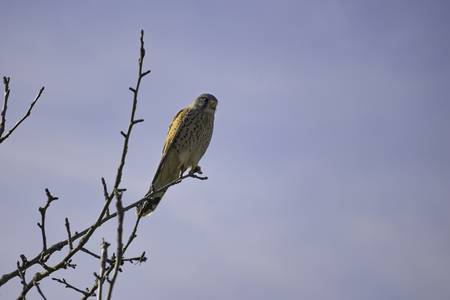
329	166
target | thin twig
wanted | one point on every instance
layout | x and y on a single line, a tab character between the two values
111	268
22	272
87	251
103	260
90	292
39	290
105	193
43	211
94	287
70	286
133	234
69	235
119	251
132	116
139	259
5	107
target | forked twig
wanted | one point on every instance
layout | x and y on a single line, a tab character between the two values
6	81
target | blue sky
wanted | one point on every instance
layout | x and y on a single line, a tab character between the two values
329	166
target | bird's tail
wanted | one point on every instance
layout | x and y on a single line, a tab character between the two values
150	205
168	170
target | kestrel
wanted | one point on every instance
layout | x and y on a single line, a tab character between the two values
187	140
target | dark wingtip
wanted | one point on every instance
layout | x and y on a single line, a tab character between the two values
148	207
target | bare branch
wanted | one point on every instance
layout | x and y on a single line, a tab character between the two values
138	259
119	251
5	108
87	251
109	269
43	211
39	290
91	291
70	286
22	271
5	105
69	235
132	116
105	194
133	234
103	260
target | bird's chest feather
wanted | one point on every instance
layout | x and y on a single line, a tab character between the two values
194	137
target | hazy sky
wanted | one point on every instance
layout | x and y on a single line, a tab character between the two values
329	166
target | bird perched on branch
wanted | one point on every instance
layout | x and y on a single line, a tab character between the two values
187	140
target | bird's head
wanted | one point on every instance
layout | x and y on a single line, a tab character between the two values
206	102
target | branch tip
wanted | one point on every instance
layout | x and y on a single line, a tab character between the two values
6	81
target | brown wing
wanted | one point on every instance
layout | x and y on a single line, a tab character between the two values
173	128
171	135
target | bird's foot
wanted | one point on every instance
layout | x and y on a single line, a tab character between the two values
196	170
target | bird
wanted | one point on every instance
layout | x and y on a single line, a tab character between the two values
187	139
